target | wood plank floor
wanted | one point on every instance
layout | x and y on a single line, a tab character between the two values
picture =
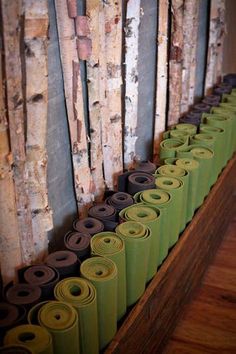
208	324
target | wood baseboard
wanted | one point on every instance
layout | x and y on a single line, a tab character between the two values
151	321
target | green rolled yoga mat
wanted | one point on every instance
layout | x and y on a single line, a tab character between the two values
219	135
229	98
81	294
210	141
152	217
168	147
170	161
175	187
162	200
176	134
191	129
137	239
15	349
183	175
32	315
108	244
204	156
226	122
192	166
231	108
102	272
36	338
61	321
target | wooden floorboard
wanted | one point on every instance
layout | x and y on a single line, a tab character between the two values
208	323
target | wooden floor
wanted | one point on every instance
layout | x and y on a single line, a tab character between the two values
208	324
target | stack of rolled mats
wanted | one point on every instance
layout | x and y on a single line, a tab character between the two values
74	301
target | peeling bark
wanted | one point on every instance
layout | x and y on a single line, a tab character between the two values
11	12
215	44
175	63
131	81
84	185
35	18
161	79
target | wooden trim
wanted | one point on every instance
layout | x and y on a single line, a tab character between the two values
152	319
161	79
131	81
36	95
175	62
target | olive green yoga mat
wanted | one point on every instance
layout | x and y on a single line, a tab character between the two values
176	134
192	166
108	244
102	272
152	217
81	294
231	108
15	349
162	200
137	239
219	135
168	147
191	129
61	320
210	141
183	175
36	338
175	187
204	156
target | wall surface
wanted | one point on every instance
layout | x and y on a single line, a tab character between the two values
229	58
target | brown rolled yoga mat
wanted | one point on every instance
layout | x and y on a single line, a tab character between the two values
42	275
79	243
88	225
140	181
16	349
106	213
66	263
10	316
26	295
145	166
120	200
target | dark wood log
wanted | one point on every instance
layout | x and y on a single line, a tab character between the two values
152	320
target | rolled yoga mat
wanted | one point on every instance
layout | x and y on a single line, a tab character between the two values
230	79
210	141
110	245
105	213
81	294
191	129
43	276
175	187
102	272
36	338
88	225
140	181
120	200
176	134
66	263
26	295
204	156
145	166
231	109
193	117
168	148
219	135
11	315
152	217
162	200
137	239
32	315
15	349
212	100
183	175
202	107
61	321
79	243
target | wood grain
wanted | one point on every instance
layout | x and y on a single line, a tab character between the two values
152	320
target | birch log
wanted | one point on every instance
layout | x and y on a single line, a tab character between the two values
110	99
220	42
93	68
131	81
84	185
161	78
35	37
189	51
10	252
11	13
175	63
215	37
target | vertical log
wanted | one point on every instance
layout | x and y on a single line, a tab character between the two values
161	79
84	186
189	51
220	41
93	68
175	63
10	252
11	12
131	81
215	41
111	96
35	38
